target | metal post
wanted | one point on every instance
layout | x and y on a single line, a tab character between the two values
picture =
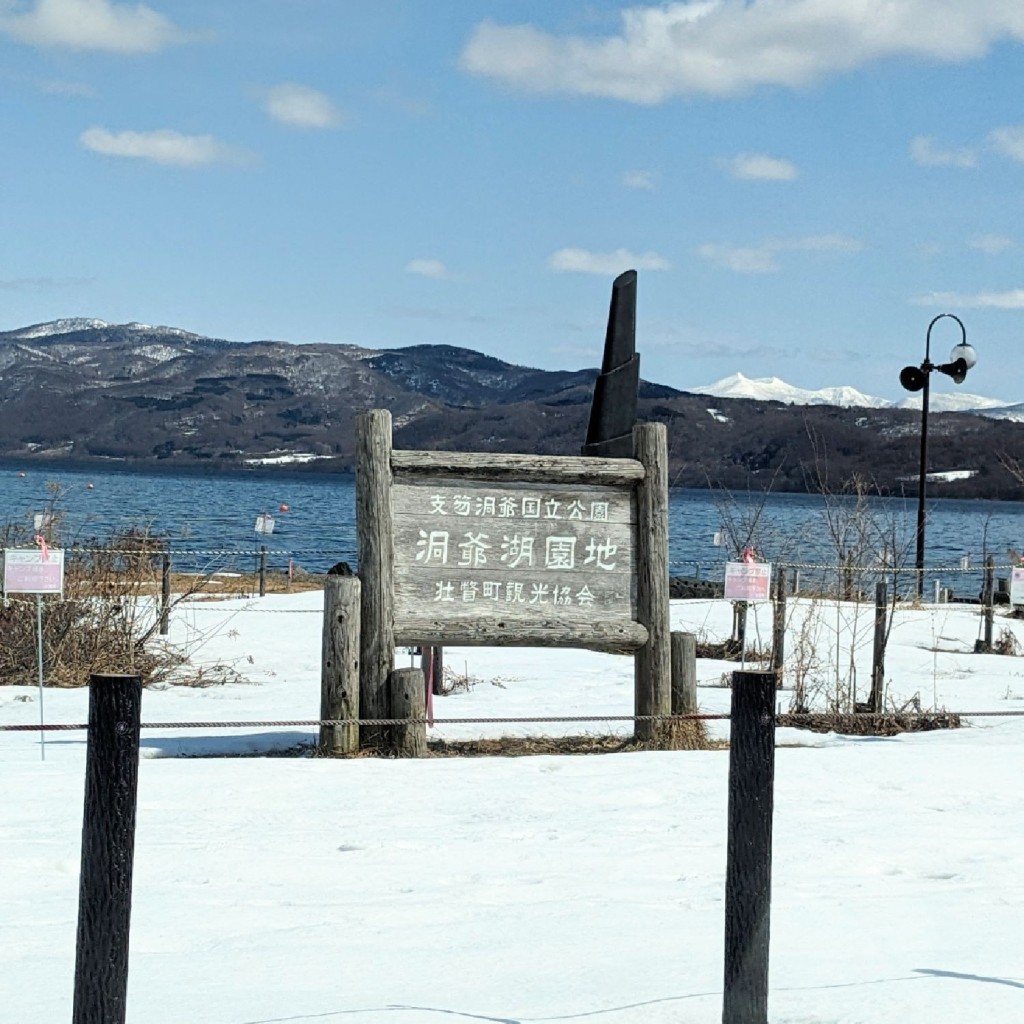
39	666
165	594
921	479
748	866
263	570
108	849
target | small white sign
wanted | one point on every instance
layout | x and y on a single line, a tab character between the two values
1017	585
41	520
264	523
719	539
33	571
748	581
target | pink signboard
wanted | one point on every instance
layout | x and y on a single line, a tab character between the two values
748	581
33	571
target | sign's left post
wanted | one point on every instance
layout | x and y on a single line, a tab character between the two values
36	571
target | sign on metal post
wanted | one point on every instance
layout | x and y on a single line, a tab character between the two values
748	581
36	571
264	523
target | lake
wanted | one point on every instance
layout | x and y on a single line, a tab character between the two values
209	519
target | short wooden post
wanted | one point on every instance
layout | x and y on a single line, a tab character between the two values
165	594
406	689
748	866
432	664
653	661
263	570
878	649
692	734
376	568
779	625
339	673
108	849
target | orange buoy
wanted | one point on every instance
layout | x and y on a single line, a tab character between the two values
282	508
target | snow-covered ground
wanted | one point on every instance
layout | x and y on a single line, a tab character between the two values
575	888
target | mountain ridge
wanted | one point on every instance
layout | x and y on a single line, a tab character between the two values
86	390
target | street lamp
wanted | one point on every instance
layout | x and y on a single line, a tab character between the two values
915	378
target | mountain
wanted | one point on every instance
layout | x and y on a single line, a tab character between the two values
88	390
772	389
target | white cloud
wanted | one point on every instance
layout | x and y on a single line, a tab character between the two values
92	25
1013	299
302	107
582	261
726	47
759	167
59	87
428	268
763	259
925	151
163	146
1009	140
640	179
991	245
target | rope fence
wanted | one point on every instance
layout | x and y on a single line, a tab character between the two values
782	720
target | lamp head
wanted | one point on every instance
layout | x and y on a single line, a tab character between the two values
912	378
966	353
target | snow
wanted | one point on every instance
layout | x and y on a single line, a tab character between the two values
284	459
65	326
535	888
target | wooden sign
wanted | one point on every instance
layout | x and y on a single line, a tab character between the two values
516	552
748	581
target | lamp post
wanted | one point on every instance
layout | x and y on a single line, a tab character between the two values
916	378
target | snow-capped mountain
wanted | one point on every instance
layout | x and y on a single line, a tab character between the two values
52	327
773	389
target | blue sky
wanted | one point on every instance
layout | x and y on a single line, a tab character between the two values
801	184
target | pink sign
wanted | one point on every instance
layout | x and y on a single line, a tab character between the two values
748	581
33	572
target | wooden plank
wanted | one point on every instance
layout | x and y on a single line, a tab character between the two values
653	666
614	637
503	503
525	468
376	566
339	673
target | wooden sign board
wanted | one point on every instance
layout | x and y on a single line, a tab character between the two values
564	554
748	581
26	571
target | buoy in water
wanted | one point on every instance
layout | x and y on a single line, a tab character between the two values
282	508
21	476
89	486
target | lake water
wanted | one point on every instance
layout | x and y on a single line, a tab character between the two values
210	519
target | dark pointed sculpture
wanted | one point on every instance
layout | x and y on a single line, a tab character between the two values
613	412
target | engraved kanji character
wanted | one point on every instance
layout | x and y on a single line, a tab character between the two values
584	596
514	593
517	550
538	592
484	506
473	548
562	595
531	508
433	547
470	588
551	509
492	589
463	504
444	591
437	505
600	553
599	511
576	510
560	553
507	508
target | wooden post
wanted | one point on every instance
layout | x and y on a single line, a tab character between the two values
653	661
779	625
878	649
339	673
406	689
432	664
748	864
376	568
165	594
108	849
263	570
685	735
988	597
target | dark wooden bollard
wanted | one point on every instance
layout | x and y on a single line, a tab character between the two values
263	570
748	868
108	849
339	668
407	699
165	594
